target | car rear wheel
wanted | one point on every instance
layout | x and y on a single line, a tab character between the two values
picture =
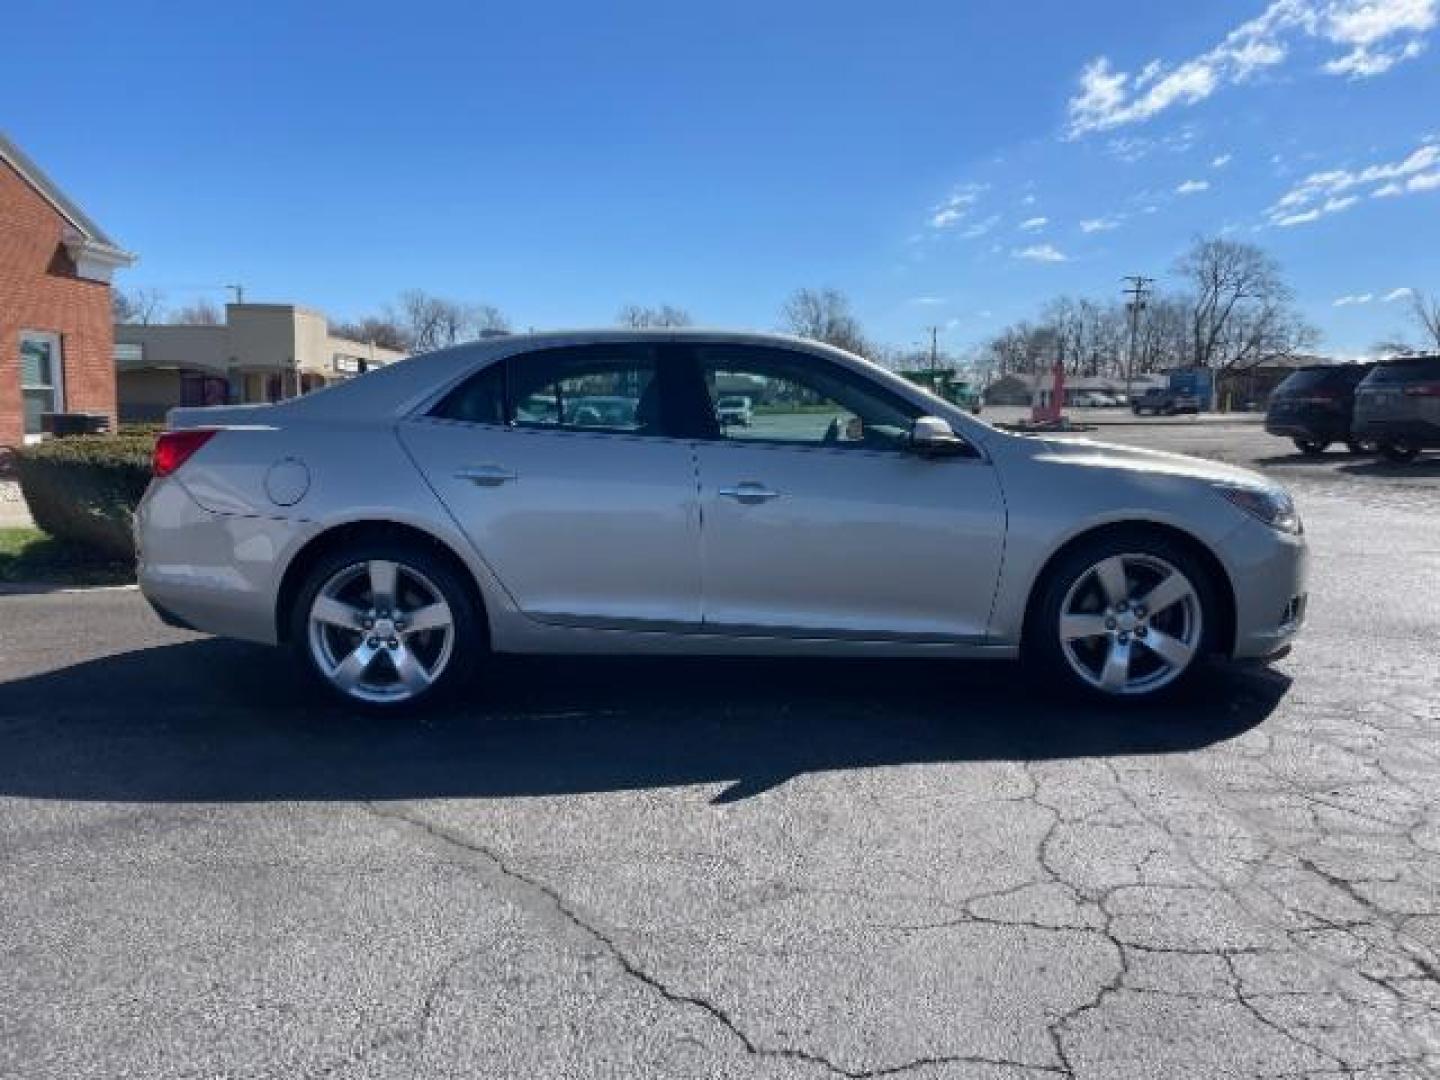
386	626
1360	446
1311	447
1399	452
1126	617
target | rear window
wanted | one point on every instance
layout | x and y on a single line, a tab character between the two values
1423	368
1310	378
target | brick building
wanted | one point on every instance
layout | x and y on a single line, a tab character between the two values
56	337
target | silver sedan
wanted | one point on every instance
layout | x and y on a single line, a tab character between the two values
576	493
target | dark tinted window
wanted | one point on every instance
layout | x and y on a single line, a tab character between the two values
480	399
587	388
1424	368
1311	378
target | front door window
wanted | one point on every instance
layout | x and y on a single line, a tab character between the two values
40	377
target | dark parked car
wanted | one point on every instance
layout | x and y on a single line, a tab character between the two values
1315	405
1398	406
1161	402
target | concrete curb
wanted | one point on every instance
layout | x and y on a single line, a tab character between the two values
38	588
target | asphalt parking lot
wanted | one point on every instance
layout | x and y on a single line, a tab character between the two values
711	869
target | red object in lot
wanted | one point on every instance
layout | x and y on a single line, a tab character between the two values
1052	410
174	448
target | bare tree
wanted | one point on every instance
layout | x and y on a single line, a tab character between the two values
384	332
1241	312
487	320
433	322
823	315
1425	313
200	312
638	317
142	306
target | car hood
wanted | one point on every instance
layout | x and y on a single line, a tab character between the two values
1092	454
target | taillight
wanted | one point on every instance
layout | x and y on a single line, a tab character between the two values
1422	389
174	448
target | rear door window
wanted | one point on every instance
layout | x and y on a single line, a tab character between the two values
601	388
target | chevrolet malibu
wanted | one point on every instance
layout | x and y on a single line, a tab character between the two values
392	530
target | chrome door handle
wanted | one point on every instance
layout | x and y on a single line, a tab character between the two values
486	475
749	492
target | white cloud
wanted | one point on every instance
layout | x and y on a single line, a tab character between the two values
1041	253
980	228
1220	161
959	203
927	301
1028	200
1192	187
1359	298
1374	34
1099	224
1402	293
1034	224
1325	192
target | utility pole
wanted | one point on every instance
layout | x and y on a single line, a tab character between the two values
1138	294
934	350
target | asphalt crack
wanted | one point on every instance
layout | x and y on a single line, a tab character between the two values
559	907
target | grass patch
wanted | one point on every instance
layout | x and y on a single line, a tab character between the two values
29	555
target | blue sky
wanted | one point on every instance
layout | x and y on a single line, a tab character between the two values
943	163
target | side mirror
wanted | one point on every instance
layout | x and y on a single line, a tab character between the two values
933	437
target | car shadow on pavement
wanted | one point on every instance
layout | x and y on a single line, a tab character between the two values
1328	458
219	721
1422	468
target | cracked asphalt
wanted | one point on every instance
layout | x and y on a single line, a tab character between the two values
739	868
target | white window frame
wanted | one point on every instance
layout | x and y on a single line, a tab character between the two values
57	374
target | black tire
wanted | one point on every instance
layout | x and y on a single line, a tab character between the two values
1359	446
1043	651
421	569
1400	453
1311	447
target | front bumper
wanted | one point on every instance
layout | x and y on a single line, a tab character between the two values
1269	571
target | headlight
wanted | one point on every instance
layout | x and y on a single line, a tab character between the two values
1273	506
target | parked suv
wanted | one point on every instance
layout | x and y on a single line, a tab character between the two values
1161	402
1398	406
1315	405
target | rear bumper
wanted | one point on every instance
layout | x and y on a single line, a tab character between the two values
1415	432
216	573
1301	427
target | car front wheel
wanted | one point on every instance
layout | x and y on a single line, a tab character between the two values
386	626
1128	616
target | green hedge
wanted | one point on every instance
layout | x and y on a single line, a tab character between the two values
84	490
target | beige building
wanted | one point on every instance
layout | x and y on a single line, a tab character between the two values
262	352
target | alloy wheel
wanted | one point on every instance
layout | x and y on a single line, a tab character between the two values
381	631
1131	624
